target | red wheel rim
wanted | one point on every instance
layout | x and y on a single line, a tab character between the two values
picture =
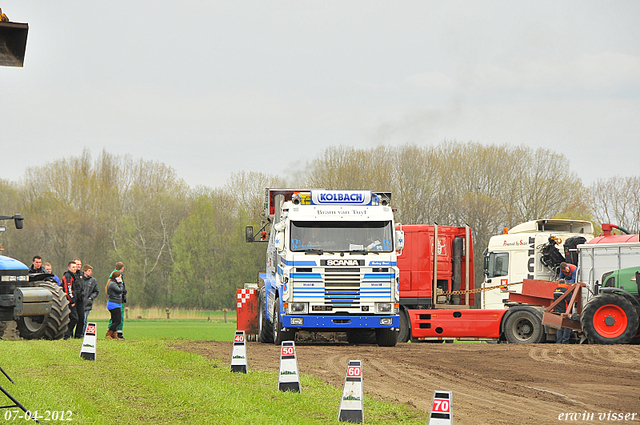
610	311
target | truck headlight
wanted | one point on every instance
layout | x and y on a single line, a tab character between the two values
387	321
298	307
297	321
384	307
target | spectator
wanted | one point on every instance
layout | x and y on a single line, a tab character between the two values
114	289
36	265
120	268
70	286
79	331
90	291
47	267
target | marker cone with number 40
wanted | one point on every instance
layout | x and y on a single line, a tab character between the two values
239	355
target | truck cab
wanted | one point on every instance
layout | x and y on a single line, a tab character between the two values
530	250
331	266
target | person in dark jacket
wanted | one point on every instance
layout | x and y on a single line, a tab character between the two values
79	331
36	265
90	291
70	287
120	268
114	290
563	335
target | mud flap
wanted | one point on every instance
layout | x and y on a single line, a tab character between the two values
13	43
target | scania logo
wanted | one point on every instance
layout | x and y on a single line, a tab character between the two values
341	262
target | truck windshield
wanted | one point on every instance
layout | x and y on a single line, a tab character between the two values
343	236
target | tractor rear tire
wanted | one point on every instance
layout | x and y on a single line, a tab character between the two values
609	319
52	326
523	327
265	328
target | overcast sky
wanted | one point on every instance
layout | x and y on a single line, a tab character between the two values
215	87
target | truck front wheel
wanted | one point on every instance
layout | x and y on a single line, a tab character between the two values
280	335
265	328
523	327
405	327
609	319
386	337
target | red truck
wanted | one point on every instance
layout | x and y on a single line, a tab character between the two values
439	260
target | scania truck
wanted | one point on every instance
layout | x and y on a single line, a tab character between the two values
331	265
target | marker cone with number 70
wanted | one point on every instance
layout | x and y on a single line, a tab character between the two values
441	410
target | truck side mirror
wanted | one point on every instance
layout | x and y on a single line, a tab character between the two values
399	240
248	234
19	221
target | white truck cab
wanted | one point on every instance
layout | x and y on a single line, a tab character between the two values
523	252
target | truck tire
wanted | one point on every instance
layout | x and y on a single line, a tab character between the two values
362	336
405	327
609	319
386	337
278	334
52	326
523	327
265	328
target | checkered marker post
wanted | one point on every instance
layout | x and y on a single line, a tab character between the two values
239	355
88	350
441	410
288	380
351	404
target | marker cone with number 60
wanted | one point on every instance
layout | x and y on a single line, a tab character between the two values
239	355
351	404
441	410
288	378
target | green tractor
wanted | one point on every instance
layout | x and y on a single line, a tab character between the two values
612	315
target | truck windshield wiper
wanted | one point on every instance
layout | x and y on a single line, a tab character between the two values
314	252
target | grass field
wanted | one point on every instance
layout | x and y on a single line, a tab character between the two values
145	380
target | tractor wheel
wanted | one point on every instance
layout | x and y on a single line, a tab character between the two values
362	336
265	328
386	337
523	327
405	327
52	326
278	334
609	319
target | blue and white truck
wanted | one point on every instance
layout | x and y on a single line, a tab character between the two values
331	265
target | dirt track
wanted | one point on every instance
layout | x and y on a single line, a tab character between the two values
491	383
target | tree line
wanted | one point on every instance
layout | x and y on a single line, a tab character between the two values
184	247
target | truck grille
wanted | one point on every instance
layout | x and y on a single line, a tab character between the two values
343	286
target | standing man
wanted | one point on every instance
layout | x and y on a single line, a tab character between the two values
70	286
90	291
120	269
79	332
36	265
